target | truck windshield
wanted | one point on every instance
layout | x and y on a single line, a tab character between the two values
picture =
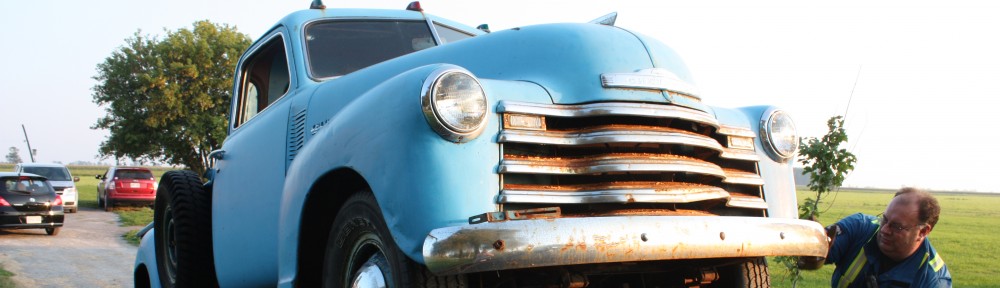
53	173
336	48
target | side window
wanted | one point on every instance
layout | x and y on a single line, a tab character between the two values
264	78
449	35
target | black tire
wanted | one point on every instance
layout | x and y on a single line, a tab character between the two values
358	237
53	231
183	240
752	273
109	205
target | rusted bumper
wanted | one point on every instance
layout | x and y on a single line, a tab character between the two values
568	241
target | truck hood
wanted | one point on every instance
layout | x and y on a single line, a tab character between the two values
569	60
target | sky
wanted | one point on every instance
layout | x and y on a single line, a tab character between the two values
919	81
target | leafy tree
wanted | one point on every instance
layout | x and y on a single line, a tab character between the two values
827	166
826	163
14	156
166	100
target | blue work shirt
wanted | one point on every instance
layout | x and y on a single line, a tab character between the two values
924	268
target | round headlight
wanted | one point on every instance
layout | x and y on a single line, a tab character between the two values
454	104
779	134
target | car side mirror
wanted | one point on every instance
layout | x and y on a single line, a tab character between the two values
76	179
98	177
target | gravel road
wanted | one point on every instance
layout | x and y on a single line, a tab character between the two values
88	252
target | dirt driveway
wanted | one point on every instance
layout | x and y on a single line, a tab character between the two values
88	252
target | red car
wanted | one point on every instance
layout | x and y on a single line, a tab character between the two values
135	185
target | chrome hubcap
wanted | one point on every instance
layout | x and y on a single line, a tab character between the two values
369	276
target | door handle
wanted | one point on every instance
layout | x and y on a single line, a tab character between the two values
217	154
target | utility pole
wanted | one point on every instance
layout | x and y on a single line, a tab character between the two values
30	152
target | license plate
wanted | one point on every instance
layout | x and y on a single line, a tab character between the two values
133	185
33	219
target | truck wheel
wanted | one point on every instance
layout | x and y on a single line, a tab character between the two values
53	231
752	273
360	252
183	222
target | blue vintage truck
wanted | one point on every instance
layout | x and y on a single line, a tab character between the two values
394	148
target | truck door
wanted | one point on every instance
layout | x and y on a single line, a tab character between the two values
251	171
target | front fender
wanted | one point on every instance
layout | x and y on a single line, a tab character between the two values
420	180
145	258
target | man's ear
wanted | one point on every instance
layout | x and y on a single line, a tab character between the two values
925	230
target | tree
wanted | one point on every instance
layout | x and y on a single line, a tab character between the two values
827	166
826	163
166	100
14	156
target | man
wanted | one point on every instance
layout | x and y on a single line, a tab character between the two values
889	250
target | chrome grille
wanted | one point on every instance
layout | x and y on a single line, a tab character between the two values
619	158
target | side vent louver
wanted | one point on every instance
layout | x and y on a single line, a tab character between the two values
296	134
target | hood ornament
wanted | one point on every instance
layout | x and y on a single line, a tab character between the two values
652	78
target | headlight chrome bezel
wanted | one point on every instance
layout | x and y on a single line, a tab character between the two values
436	118
771	120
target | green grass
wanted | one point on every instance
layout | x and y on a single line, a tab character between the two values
965	234
134	216
132	237
5	278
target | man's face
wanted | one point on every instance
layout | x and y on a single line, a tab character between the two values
901	232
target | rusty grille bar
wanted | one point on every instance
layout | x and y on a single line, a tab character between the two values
626	154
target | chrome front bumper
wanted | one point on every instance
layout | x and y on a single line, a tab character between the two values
569	241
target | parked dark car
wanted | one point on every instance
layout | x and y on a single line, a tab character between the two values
27	201
133	185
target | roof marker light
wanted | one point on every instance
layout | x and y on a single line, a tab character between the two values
317	4
414	6
484	28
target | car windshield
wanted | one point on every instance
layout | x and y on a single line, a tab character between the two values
336	48
26	185
53	173
133	174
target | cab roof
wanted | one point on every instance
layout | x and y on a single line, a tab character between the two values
299	18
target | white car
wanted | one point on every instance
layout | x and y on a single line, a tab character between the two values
60	178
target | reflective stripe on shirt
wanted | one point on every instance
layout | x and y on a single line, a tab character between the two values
858	263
